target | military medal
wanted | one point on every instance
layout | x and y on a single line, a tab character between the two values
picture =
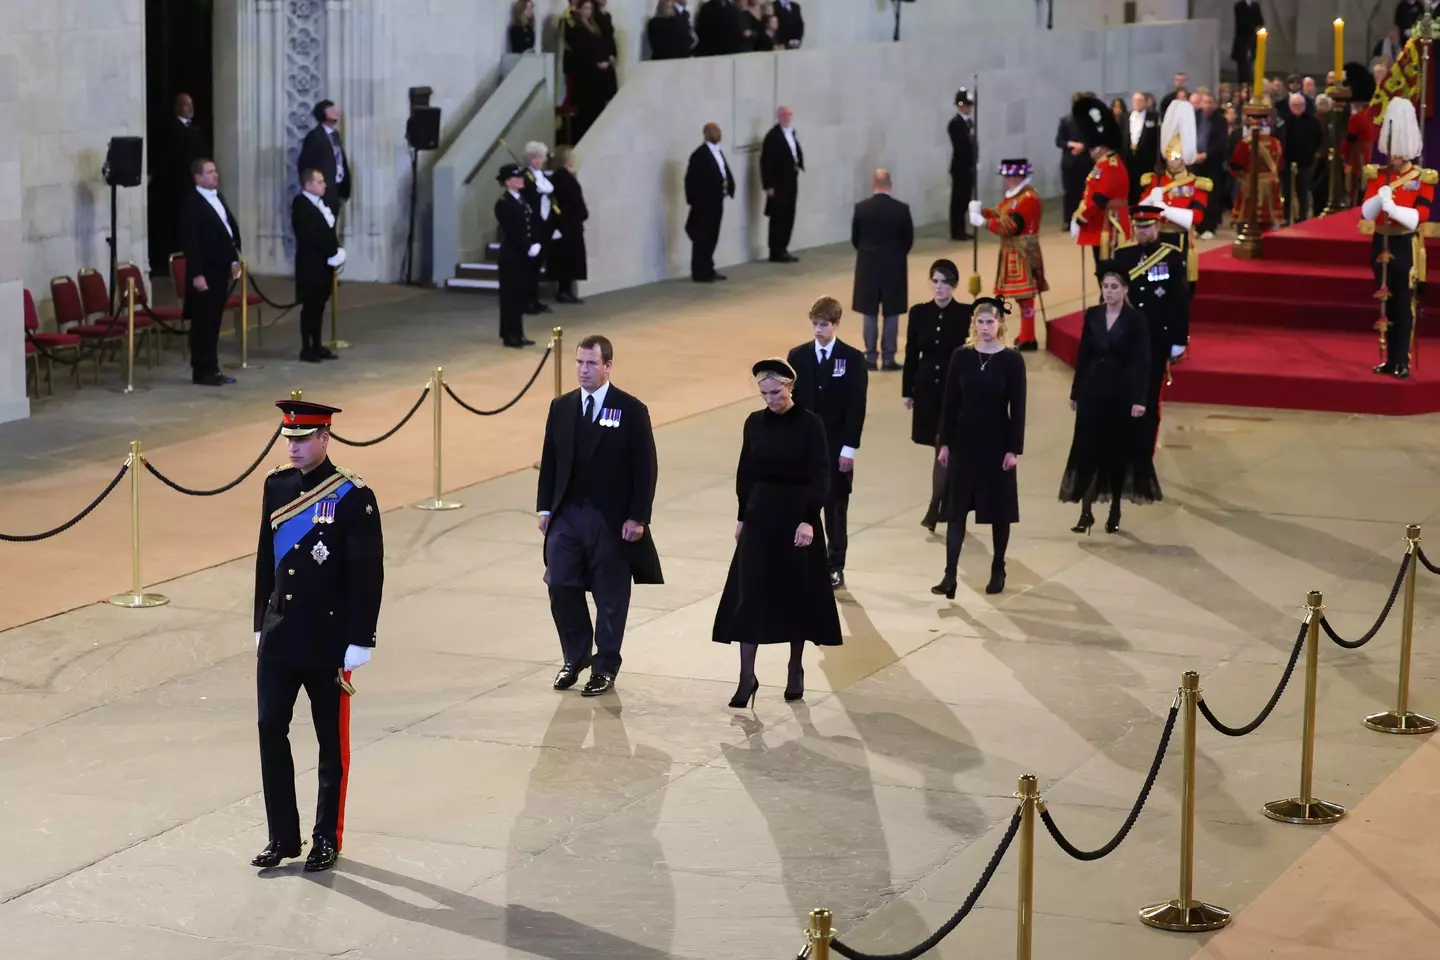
320	552
839	370
324	511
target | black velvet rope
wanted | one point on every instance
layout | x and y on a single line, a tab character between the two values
277	306
1384	613
388	433
1425	561
1254	725
218	490
523	390
32	537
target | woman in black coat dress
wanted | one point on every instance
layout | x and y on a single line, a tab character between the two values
589	60
935	331
566	261
982	435
668	33
1111	454
778	589
522	26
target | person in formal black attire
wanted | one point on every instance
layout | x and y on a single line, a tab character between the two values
777	590
882	233
982	435
1300	138
318	255
521	35
752	26
1110	453
708	184
782	160
719	29
1212	140
566	261
936	329
769	38
1407	14
791	32
1179	87
319	574
609	79
668	33
321	150
832	381
1075	163
962	164
519	247
1142	142
591	68
597	485
185	142
1248	18
539	195
1159	290
210	240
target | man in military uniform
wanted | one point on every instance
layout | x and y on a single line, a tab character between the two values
1102	222
1159	290
962	163
1020	273
318	574
1179	195
1396	213
1269	208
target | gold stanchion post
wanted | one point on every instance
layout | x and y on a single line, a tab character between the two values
1185	914
557	343
1305	808
437	382
819	934
1402	719
1247	244
335	342
1028	793
136	598
130	334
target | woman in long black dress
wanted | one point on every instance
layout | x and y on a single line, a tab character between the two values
589	60
566	261
982	435
778	589
935	331
1111	454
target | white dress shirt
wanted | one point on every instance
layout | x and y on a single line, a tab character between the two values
790	139
320	205
599	404
822	353
545	187
1137	127
339	154
719	159
212	197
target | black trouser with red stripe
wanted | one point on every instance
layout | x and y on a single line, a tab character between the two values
1395	277
278	684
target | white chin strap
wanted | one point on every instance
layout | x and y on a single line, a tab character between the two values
1015	190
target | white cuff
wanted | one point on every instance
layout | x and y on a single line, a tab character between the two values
257	638
848	453
1074	229
356	656
534	250
1184	219
1370	209
976	220
1175	352
542	513
1406	217
338	259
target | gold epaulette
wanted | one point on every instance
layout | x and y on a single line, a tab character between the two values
1205	183
280	469
1371	172
1146	179
351	475
1429	176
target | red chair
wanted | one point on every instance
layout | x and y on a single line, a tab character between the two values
173	317
35	341
70	317
256	302
95	298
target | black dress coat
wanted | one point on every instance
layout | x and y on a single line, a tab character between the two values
779	168
882	233
669	37
609	81
518	229
566	260
931	338
837	393
777	592
792	25
706	190
1248	18
317	153
315	243
1144	157
719	30
982	419
622	468
521	37
210	250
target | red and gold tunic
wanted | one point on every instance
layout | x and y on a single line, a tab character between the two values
1016	221
1361	132
1104	214
1268	206
1185	192
1414	189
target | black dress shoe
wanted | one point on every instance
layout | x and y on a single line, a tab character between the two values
837	579
322	856
889	366
1384	369
568	298
569	674
270	857
945	588
224	380
308	356
784	258
1402	373
871	365
1027	346
720	276
710	279
537	307
597	684
997	578
512	342
325	353
211	380
526	342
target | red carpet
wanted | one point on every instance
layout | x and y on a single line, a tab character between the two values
1293	330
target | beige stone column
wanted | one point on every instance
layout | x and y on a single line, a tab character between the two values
14	405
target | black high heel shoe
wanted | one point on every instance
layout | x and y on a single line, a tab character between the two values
745	698
945	588
997	578
795	686
1112	523
1087	520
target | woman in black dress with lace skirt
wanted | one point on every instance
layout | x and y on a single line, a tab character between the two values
778	589
936	329
982	435
1112	453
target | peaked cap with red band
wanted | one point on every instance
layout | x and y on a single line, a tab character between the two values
302	418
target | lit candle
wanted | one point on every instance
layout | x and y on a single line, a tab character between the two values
1339	50
1257	90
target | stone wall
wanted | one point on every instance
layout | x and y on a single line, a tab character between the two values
856	109
13	403
1301	37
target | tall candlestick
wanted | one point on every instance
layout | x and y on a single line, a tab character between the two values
1257	89
1339	49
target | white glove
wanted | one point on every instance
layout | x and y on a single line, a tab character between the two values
356	656
1406	217
977	218
1386	195
257	639
1074	229
555	235
1370	209
1156	198
1184	219
534	250
1176	352
338	259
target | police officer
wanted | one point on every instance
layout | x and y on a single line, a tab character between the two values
318	574
1158	289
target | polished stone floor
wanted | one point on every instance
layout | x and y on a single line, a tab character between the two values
492	817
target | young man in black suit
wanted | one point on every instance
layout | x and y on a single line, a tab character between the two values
519	246
831	382
708	182
185	142
597	485
321	150
318	255
782	160
962	164
882	234
210	239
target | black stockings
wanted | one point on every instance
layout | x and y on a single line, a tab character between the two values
955	539
796	668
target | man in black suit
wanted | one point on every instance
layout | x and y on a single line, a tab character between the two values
831	382
708	182
1075	163
185	142
962	164
321	150
719	29
1212	157
210	239
318	255
597	484
1179	82
882	234
1248	18
782	160
519	248
1142	142
792	25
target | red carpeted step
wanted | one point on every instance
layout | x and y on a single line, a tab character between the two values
1292	314
1335	240
1221	272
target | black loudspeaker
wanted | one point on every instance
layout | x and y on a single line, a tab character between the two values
124	162
423	130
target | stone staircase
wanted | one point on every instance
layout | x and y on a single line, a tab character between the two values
479	277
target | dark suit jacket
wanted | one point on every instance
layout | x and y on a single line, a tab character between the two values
705	189
669	37
839	400
209	249
1144	158
187	143
719	29
317	154
779	170
315	243
792	25
962	147
621	468
1071	164
1114	363
517	228
882	234
1248	19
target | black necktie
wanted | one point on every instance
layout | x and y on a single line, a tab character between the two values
590	409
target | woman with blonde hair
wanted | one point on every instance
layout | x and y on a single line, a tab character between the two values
522	26
982	435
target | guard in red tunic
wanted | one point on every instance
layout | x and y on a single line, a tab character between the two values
1269	209
1396	213
1179	195
1102	221
1020	273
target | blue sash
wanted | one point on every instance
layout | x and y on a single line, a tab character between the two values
292	531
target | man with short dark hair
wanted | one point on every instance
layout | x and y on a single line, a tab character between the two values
882	233
1180	82
210	240
708	184
597	485
519	247
318	255
321	150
